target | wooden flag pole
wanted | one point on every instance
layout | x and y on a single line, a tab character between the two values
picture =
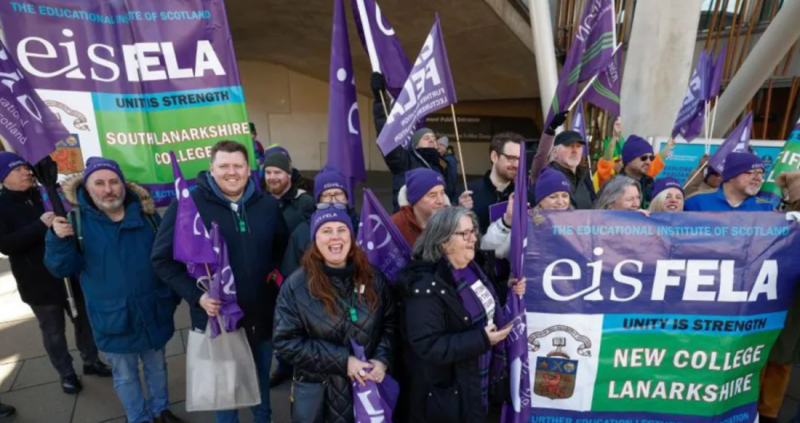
383	102
458	144
699	171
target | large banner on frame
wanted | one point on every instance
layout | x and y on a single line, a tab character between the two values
134	80
668	318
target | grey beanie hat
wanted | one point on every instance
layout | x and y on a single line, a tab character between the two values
443	141
419	134
281	161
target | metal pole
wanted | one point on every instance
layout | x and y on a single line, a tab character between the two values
776	41
545	52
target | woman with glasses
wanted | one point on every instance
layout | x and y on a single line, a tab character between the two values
667	196
335	298
447	323
552	192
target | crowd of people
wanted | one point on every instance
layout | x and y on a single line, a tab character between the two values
434	328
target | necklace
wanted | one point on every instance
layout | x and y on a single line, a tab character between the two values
350	306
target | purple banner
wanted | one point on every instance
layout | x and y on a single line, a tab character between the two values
25	121
429	88
738	140
691	116
378	236
192	242
222	287
374	402
605	90
386	55
716	74
345	152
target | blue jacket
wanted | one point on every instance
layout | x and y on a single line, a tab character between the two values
130	309
715	201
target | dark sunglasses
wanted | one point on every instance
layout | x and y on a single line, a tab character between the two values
648	158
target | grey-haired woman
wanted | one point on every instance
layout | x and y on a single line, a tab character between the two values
448	323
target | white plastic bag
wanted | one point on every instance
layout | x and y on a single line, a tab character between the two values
220	372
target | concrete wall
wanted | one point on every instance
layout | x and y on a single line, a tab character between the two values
292	109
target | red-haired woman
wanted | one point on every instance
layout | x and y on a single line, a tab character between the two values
336	296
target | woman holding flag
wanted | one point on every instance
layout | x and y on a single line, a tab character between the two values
335	297
447	323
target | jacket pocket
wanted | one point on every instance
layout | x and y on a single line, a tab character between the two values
165	305
443	405
109	317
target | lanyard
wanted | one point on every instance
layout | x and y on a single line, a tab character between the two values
351	306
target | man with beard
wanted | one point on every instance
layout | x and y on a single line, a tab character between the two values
638	162
421	196
742	178
23	226
498	182
567	155
422	151
295	203
253	228
130	308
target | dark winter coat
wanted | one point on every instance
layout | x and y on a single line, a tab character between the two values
301	182
250	254
22	235
318	346
583	195
297	206
401	160
301	240
485	194
131	310
441	348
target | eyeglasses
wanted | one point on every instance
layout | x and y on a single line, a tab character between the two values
466	234
327	198
755	173
510	158
648	158
325	206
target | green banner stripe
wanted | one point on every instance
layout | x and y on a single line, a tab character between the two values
605	92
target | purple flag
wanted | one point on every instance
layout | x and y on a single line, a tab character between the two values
28	124
692	114
716	74
578	122
605	90
738	140
380	239
589	54
192	243
223	288
519	411
374	400
345	153
428	88
386	55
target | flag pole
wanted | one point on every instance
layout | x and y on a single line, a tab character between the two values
383	102
458	143
699	171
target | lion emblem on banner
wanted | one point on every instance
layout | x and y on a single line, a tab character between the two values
556	372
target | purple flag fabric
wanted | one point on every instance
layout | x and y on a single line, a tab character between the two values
716	74
374	401
380	239
578	122
28	124
428	88
223	288
589	54
192	243
691	116
386	55
738	140
519	411
605	90
345	153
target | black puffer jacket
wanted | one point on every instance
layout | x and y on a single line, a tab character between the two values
22	240
441	347
318	346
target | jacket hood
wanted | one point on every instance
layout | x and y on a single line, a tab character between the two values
72	185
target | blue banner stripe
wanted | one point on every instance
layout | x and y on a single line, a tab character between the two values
695	324
110	102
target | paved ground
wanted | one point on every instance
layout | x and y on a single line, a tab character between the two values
28	381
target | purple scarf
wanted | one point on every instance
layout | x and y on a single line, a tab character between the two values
464	279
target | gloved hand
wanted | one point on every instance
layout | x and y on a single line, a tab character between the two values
378	84
557	121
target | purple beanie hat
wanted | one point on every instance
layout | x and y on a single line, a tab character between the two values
8	162
635	147
664	184
98	163
329	179
738	163
551	181
419	181
321	217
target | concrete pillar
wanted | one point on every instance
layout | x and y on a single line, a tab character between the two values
759	65
545	51
658	64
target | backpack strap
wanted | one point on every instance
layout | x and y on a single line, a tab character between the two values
74	217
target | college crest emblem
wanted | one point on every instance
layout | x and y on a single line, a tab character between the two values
557	371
